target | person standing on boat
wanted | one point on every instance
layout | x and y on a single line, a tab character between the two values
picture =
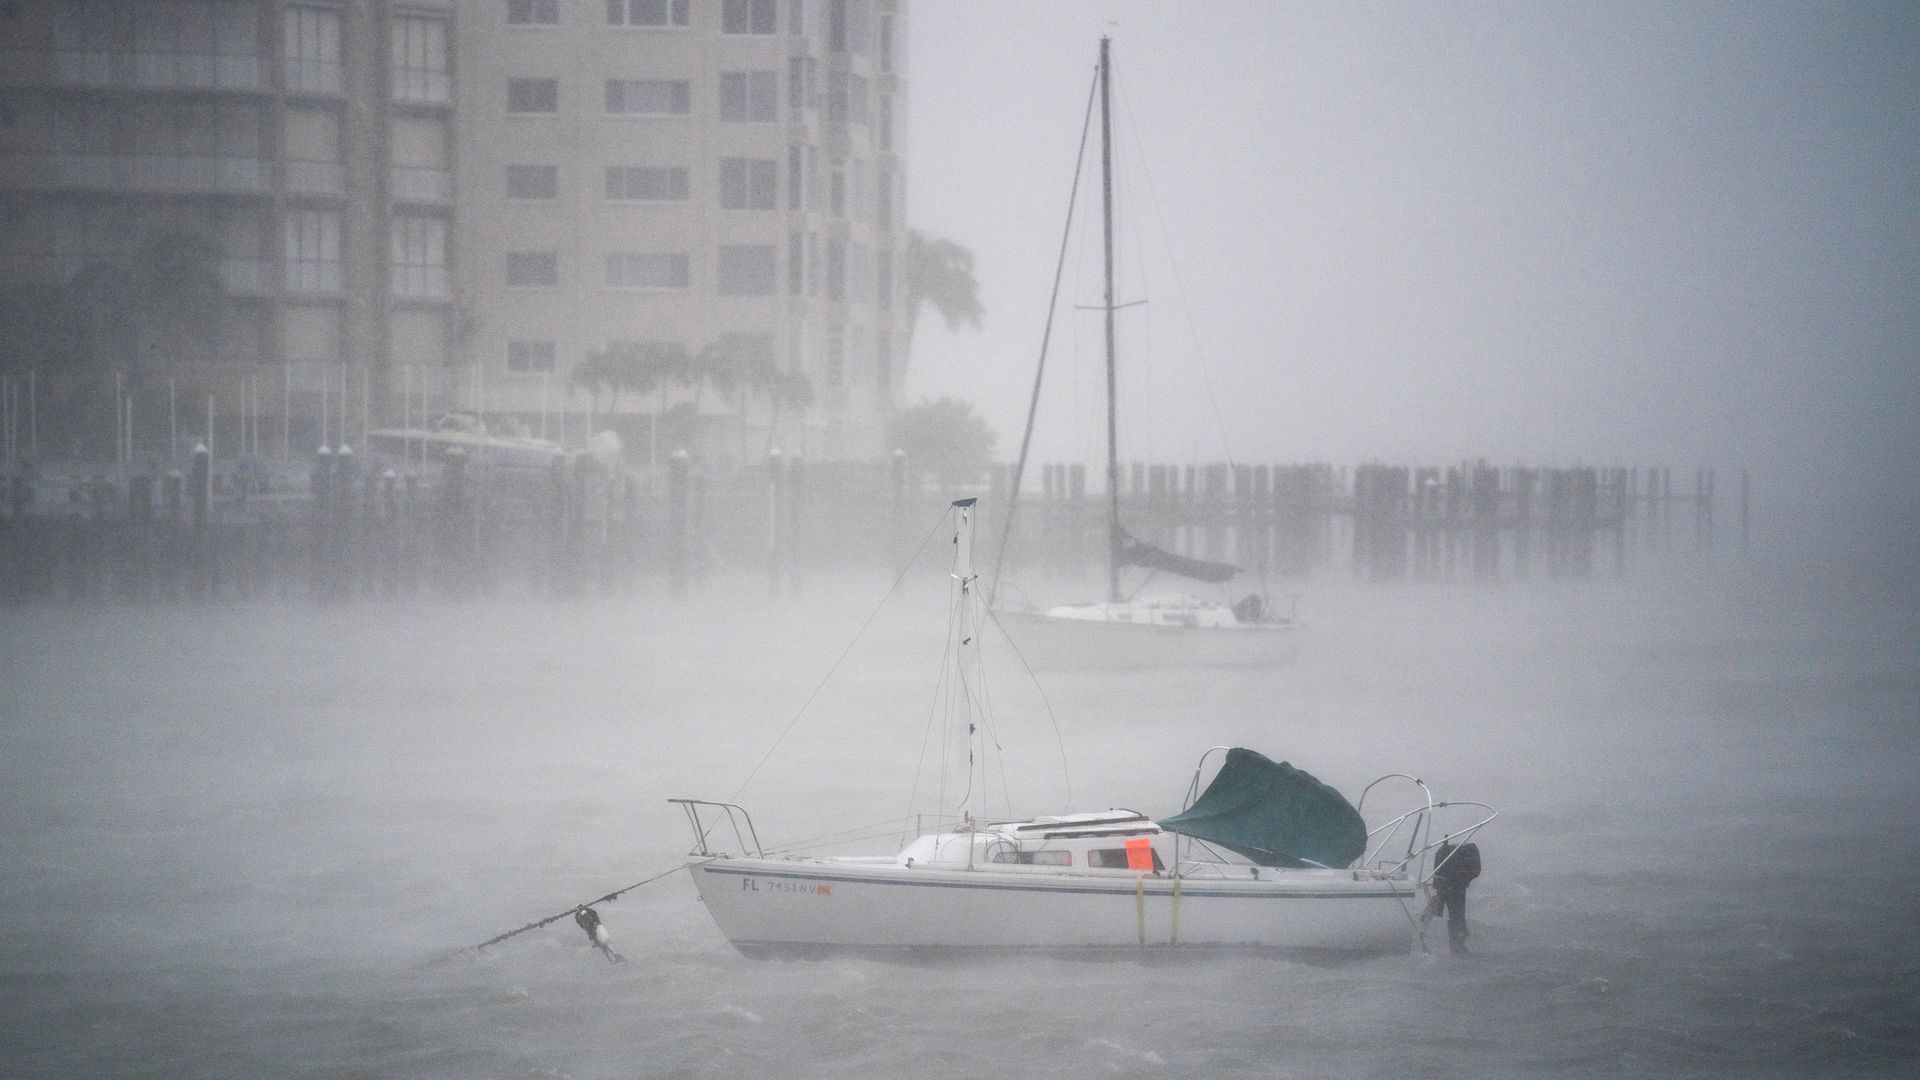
1454	868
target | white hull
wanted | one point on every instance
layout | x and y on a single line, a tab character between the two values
1051	641
813	907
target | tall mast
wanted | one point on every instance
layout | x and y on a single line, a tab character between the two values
1113	442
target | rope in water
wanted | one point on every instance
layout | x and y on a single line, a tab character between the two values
607	899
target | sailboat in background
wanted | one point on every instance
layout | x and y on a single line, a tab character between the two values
1123	630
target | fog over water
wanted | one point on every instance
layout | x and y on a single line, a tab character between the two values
241	839
1545	233
235	838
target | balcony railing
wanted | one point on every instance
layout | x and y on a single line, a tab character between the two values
316	178
428	282
316	76
190	70
419	185
153	172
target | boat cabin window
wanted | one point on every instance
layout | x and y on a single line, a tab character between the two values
1036	858
1115	858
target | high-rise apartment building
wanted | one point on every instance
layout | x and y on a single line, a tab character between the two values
470	199
311	145
685	176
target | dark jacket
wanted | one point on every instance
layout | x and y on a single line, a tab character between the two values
1454	866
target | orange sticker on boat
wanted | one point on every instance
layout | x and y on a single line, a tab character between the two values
823	890
1140	853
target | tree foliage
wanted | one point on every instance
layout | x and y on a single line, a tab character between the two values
939	273
945	438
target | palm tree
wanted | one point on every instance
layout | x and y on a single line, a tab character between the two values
939	272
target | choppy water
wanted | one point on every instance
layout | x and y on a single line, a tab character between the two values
232	839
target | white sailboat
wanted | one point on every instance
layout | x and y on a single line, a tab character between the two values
1174	627
1265	858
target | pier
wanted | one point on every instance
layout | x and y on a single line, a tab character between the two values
345	526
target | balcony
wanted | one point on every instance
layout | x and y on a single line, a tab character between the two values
325	77
186	174
158	70
413	184
316	178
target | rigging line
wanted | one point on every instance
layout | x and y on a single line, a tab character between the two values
828	677
981	700
1053	720
829	837
933	706
1046	335
1179	282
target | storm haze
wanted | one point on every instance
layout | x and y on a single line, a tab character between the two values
1422	303
1567	233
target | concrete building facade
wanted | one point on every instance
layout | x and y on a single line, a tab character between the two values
311	144
465	202
687	177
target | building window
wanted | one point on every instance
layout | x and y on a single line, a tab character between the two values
883	199
859	27
647	183
837	25
837	201
533	13
194	44
796	189
883	360
747	184
648	270
747	17
796	263
746	270
314	64
749	96
860	273
836	359
886	43
529	357
533	95
533	181
418	266
313	251
797	17
533	269
836	97
883	278
420	71
857	99
649	97
836	270
885	133
646	12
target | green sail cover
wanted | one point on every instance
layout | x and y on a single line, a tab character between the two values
1274	814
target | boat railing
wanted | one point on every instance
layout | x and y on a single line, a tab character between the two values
707	816
1415	828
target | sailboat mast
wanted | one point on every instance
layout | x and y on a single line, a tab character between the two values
1113	439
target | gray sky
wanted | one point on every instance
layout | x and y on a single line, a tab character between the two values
1556	233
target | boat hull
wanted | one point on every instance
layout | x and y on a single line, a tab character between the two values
1049	641
795	907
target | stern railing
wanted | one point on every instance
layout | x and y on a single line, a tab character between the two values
707	816
1417	826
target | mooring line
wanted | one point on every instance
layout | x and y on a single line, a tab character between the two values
607	899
